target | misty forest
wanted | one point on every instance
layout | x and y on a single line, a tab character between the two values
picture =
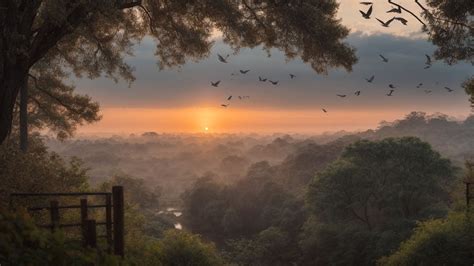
76	189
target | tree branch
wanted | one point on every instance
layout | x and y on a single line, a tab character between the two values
408	11
68	107
442	19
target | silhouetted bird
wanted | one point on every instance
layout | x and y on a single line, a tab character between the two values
366	3
367	14
357	93
324	110
292	76
262	79
427	66
448	89
273	82
428	60
224	105
427	91
370	79
390	93
229	98
386	24
244	71
383	58
341	95
215	84
402	20
222	59
419	85
391	86
397	9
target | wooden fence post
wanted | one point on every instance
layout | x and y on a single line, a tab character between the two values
84	216
90	233
118	212
108	221
54	212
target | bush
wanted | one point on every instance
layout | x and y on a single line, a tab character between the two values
22	243
447	241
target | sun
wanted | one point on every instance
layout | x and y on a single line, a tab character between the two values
206	129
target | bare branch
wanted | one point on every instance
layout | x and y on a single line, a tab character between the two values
68	107
408	11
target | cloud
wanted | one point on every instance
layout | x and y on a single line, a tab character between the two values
190	85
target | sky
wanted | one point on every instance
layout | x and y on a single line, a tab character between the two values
182	99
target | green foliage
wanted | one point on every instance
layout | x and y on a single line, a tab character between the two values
468	86
378	182
55	106
22	243
181	248
450	28
448	241
372	196
37	170
240	210
271	246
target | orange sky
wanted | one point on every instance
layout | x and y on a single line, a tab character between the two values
182	100
196	119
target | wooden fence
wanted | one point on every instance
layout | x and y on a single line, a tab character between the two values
114	216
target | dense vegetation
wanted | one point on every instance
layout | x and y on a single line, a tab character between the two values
374	197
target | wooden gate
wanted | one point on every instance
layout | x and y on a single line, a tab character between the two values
114	216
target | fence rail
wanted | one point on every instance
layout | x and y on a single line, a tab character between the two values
114	216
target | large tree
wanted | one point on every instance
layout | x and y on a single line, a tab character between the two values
368	201
91	38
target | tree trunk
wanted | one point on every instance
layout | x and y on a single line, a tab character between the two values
13	78
24	117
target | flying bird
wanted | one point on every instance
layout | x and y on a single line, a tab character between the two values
391	86
324	110
448	89
292	76
224	105
427	66
357	93
240	97
402	20
222	59
215	84
244	71
390	93
370	79
341	95
386	24
262	79
366	3
419	85
383	58
428	60
273	82
229	98
367	14
397	9
427	91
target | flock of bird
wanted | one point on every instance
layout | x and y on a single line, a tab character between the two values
224	59
365	14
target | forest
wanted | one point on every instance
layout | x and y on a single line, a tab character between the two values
331	199
215	193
